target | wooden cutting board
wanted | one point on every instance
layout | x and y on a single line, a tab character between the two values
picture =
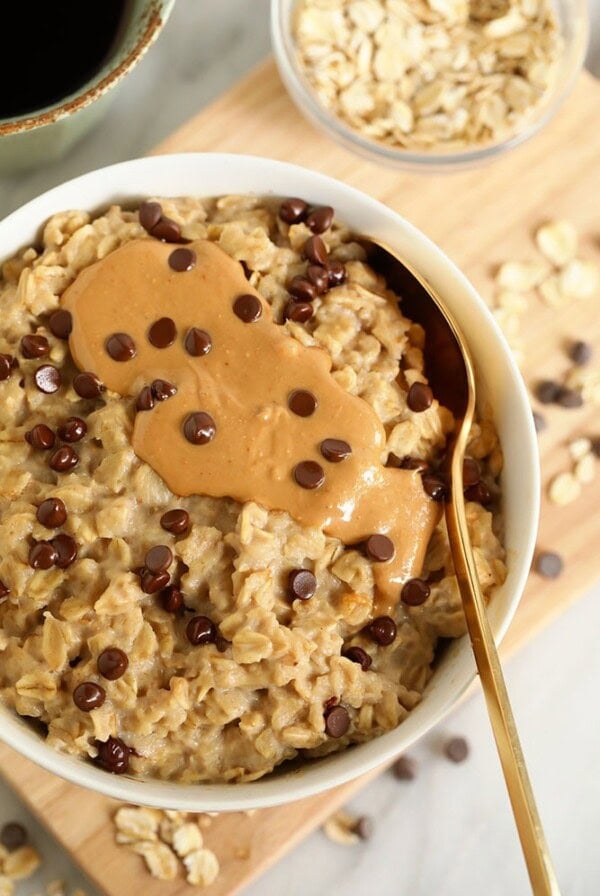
480	218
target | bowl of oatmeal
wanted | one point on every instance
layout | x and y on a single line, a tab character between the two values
224	574
432	84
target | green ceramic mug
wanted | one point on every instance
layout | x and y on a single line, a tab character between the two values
44	135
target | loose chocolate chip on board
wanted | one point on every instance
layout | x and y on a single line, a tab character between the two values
336	272
456	749
415	592
419	397
64	459
150	214
121	347
303	289
181	260
167	230
596	446
47	379
172	599
41	436
42	555
302	402
319	277
13	836
293	210
581	352
72	430
299	312
547	391
163	389
60	323
4	589
315	251
52	513
87	385
363	827
34	346
199	428
197	342
145	400
404	768
320	219
549	564
113	663
248	308
302	584
162	333
337	721
479	493
158	558
569	398
539	421
358	655
335	450
152	582
382	630
176	521
309	474
6	366
434	486
88	695
200	630
113	755
379	548
66	548
471	472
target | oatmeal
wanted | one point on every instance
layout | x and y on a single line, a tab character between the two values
221	537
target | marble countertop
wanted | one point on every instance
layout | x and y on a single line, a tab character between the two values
450	831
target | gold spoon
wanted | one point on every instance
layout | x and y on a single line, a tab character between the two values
449	368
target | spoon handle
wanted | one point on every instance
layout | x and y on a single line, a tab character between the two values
533	842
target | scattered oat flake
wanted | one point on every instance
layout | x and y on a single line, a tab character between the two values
585	469
134	823
202	867
341	828
187	839
22	863
7	887
564	489
578	448
579	279
160	859
521	276
557	240
550	292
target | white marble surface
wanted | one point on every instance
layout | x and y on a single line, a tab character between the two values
449	832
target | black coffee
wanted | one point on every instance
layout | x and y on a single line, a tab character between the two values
58	46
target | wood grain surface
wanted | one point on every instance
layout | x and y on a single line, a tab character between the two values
480	218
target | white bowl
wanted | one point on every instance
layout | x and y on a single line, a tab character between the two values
499	382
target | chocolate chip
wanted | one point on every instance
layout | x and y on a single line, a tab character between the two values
569	398
419	397
197	342
150	214
456	749
163	389
379	548
248	308
158	558
88	695
302	584
302	289
309	474
151	582
176	521
13	836
580	352
34	346
113	663
293	210
471	472
4	589
315	251
247	271
434	486
42	555
547	391
172	599
162	333
60	323
181	260
358	655
52	513
302	402
6	366
404	768
335	450
64	459
337	721
336	272
382	630
113	755
539	421
549	564
221	643
320	219
596	447
415	592
200	630
199	428
66	548
167	230
436	575
87	385
121	347
319	277
75	662
145	400
407	463
41	436
299	312
363	827
72	430
48	379
479	493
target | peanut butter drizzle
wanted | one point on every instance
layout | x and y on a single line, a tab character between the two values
244	383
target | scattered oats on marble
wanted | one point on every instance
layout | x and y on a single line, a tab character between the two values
341	828
22	863
564	488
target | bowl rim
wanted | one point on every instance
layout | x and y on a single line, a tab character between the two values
153	19
172	175
352	140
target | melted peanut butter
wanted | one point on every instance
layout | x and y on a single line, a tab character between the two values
244	383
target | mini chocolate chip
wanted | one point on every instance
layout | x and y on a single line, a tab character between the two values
379	548
200	630
221	643
456	749
13	836
319	277
72	430
471	472
151	582
34	346
302	289
88	695
64	459
60	323
162	333
199	428
145	400
549	564
163	389
547	391
382	630
302	584
539	421
176	521
167	230
415	592
113	755
197	342
158	558
121	347
6	366
309	474
302	402
434	486
581	352
75	662
4	589
247	271
337	721
419	397
150	214
407	463
248	308
335	450
42	555
336	272
363	827
172	599
48	379
66	548
404	768
315	251
436	575
479	493
87	385
181	260
299	312
41	436
113	663
51	513
293	210
569	398
358	655
320	219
